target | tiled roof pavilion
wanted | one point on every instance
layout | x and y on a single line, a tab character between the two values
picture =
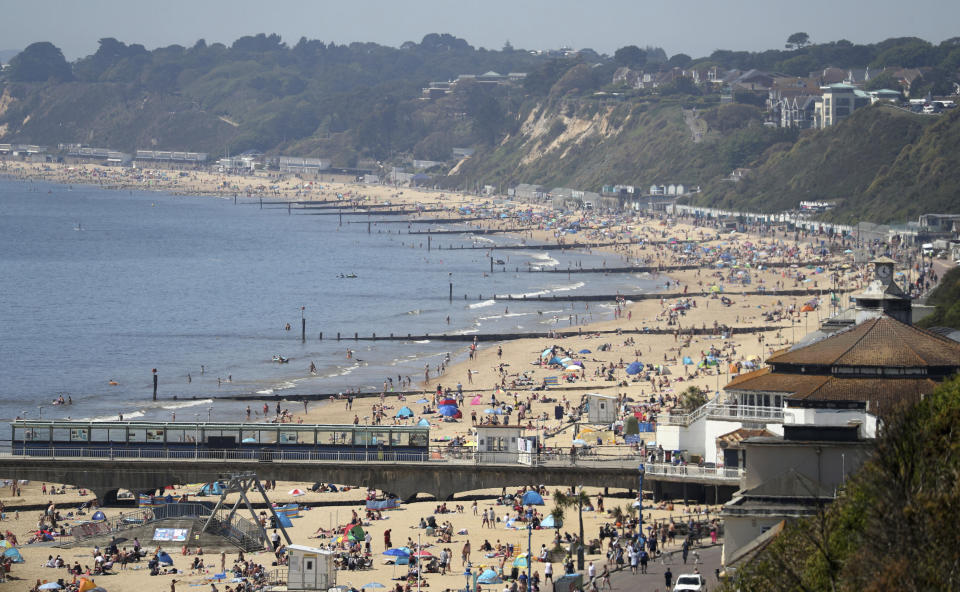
881	361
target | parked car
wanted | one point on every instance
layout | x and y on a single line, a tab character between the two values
690	583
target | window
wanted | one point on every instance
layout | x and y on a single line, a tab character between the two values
308	565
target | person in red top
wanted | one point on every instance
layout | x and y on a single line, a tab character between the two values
386	539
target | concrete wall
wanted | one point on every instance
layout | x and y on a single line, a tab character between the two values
826	462
740	530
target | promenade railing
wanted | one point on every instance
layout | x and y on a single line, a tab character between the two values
673	470
713	410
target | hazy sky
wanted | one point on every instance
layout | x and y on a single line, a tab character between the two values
695	27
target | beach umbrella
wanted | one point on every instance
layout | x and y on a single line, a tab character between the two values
399	552
447	401
405	412
566	360
373	585
489	577
49	586
634	368
493	412
422	553
448	410
580	442
98	515
532	498
476	400
296	492
555	360
585	351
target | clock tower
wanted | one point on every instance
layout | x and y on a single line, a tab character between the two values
883	295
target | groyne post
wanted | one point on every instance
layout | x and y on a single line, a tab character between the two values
154	384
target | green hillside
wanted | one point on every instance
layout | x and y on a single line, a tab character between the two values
946	300
886	162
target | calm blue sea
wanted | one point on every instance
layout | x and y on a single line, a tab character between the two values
99	286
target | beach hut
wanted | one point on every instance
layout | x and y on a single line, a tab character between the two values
310	568
498	444
601	409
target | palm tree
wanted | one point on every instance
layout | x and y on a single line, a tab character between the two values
577	500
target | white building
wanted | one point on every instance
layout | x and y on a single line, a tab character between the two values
601	409
310	569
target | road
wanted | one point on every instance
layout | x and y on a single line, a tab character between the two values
653	581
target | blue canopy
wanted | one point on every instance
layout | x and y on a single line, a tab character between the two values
396	553
405	412
687	361
164	558
14	555
423	423
550	522
213	488
489	577
448	410
634	368
532	498
284	520
98	515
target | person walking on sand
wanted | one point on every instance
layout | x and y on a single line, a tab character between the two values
465	553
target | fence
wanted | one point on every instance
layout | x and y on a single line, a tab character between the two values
138	518
713	410
670	470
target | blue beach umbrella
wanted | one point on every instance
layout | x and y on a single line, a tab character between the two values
634	368
399	552
448	410
585	351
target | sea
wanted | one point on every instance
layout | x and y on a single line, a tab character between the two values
99	287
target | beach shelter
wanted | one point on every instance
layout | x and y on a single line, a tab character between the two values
421	400
687	361
354	532
284	520
532	498
423	423
405	412
585	351
634	368
520	561
13	554
546	353
489	577
550	522
85	585
164	558
98	515
476	400
213	488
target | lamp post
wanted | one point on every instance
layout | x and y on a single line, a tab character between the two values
529	549
642	470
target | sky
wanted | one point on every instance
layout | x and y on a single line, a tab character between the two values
694	27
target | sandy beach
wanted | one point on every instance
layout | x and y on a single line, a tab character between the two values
497	367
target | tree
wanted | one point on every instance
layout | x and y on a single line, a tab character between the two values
40	62
680	60
798	41
693	398
576	500
630	56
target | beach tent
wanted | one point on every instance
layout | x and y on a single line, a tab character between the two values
421	400
213	488
585	351
520	561
98	515
634	368
354	532
86	585
423	423
476	400
284	520
687	361
405	412
164	558
546	353
489	577
532	498
13	554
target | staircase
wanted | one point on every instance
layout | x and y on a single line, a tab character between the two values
241	532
